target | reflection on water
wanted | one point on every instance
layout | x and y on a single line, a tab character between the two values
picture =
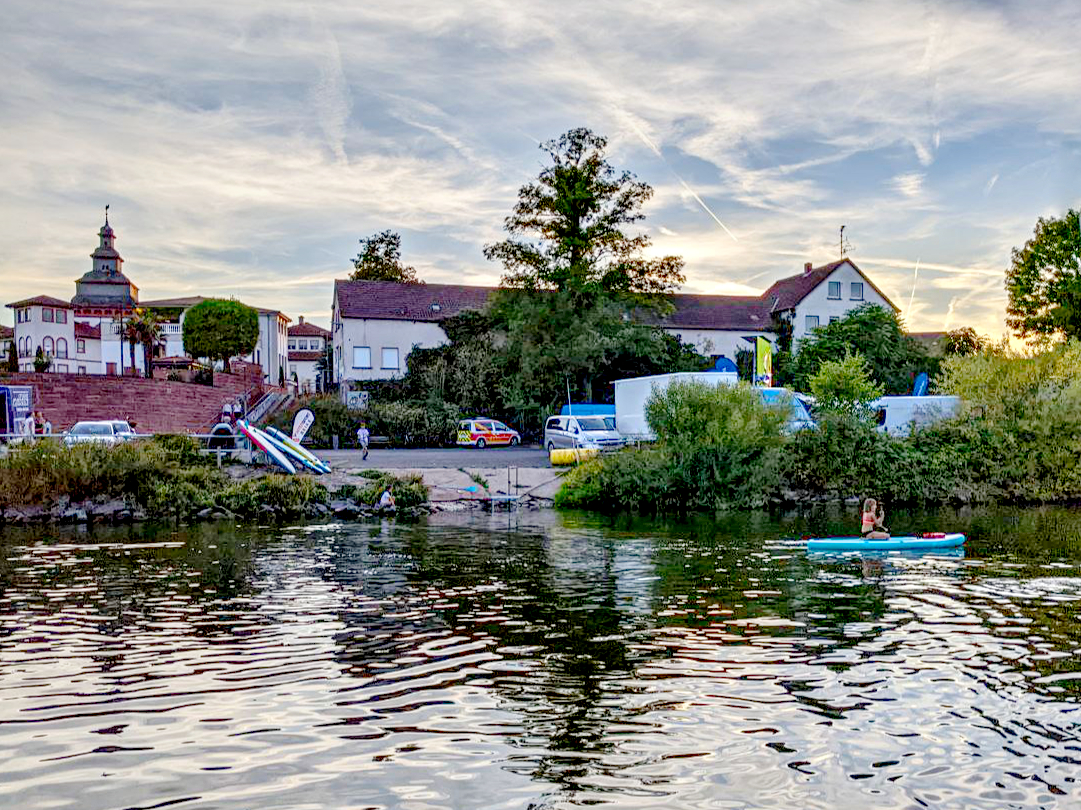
547	662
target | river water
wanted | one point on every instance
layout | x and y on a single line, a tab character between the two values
542	661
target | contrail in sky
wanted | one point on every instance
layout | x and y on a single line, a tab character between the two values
683	182
915	275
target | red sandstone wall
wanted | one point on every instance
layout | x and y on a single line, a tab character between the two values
155	406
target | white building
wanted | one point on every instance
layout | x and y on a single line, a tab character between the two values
376	324
307	343
84	336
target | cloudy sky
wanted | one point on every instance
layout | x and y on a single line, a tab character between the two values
245	147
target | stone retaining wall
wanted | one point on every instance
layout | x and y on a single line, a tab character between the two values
153	406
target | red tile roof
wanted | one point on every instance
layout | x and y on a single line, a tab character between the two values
788	292
304	357
42	301
308	330
6	332
389	300
86	331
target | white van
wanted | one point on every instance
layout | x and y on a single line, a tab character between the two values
581	431
897	415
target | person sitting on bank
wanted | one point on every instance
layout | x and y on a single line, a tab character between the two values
871	521
386	500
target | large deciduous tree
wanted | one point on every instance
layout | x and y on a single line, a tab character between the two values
380	259
566	230
219	330
1044	281
875	333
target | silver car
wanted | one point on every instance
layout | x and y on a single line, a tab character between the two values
92	433
581	431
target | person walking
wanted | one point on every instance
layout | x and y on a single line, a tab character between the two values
363	436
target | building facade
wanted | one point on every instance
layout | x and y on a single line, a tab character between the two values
376	324
307	344
85	335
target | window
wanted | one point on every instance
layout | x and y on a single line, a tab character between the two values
82	369
811	323
302	345
62	368
47	346
834	290
47	315
856	291
61	348
834	318
292	345
61	316
390	358
362	357
80	346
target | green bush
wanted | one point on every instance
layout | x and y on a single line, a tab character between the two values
409	490
291	494
409	424
638	480
332	418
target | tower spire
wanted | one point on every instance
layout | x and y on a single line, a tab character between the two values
106	214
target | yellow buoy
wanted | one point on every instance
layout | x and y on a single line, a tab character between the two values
571	455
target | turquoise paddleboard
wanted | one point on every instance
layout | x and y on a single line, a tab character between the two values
892	544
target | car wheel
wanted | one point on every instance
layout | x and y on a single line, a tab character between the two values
513	441
481	444
551	446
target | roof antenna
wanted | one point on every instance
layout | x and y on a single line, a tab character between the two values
845	245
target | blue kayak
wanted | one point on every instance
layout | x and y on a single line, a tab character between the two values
892	544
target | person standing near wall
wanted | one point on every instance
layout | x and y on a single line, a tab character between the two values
363	437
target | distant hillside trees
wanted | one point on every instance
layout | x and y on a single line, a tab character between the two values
1043	282
220	330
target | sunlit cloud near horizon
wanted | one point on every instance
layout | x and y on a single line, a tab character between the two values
245	147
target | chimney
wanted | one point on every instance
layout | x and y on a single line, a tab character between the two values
806	271
302	317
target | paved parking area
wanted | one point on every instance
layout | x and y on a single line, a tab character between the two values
432	458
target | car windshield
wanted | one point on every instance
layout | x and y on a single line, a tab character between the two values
121	427
592	423
92	429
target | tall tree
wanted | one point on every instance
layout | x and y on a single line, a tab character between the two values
964	340
566	230
143	328
11	361
219	330
1044	281
875	333
380	259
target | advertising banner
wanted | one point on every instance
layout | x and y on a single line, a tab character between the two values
763	363
302	422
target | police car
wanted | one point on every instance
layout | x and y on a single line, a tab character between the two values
481	433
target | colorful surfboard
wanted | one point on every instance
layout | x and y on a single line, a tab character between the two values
260	440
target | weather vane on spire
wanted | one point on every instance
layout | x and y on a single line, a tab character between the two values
106	214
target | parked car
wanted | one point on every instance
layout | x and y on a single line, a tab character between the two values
92	433
483	432
898	415
582	431
123	430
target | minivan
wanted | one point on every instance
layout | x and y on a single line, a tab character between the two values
899	415
581	431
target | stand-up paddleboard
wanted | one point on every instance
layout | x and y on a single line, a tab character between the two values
296	446
260	440
928	541
300	459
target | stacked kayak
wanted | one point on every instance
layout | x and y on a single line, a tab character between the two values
899	543
281	449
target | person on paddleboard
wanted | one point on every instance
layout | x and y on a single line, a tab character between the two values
871	521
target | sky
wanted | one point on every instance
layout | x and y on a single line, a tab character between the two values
245	147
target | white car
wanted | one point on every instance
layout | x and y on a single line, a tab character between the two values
123	430
93	433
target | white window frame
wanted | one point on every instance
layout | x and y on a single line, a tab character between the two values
302	345
80	345
48	347
62	353
292	345
61	368
383	358
830	288
82	370
808	327
852	291
367	349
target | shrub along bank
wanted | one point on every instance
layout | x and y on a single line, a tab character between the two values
404	424
167	477
1016	439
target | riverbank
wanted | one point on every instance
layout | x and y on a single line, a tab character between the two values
167	479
